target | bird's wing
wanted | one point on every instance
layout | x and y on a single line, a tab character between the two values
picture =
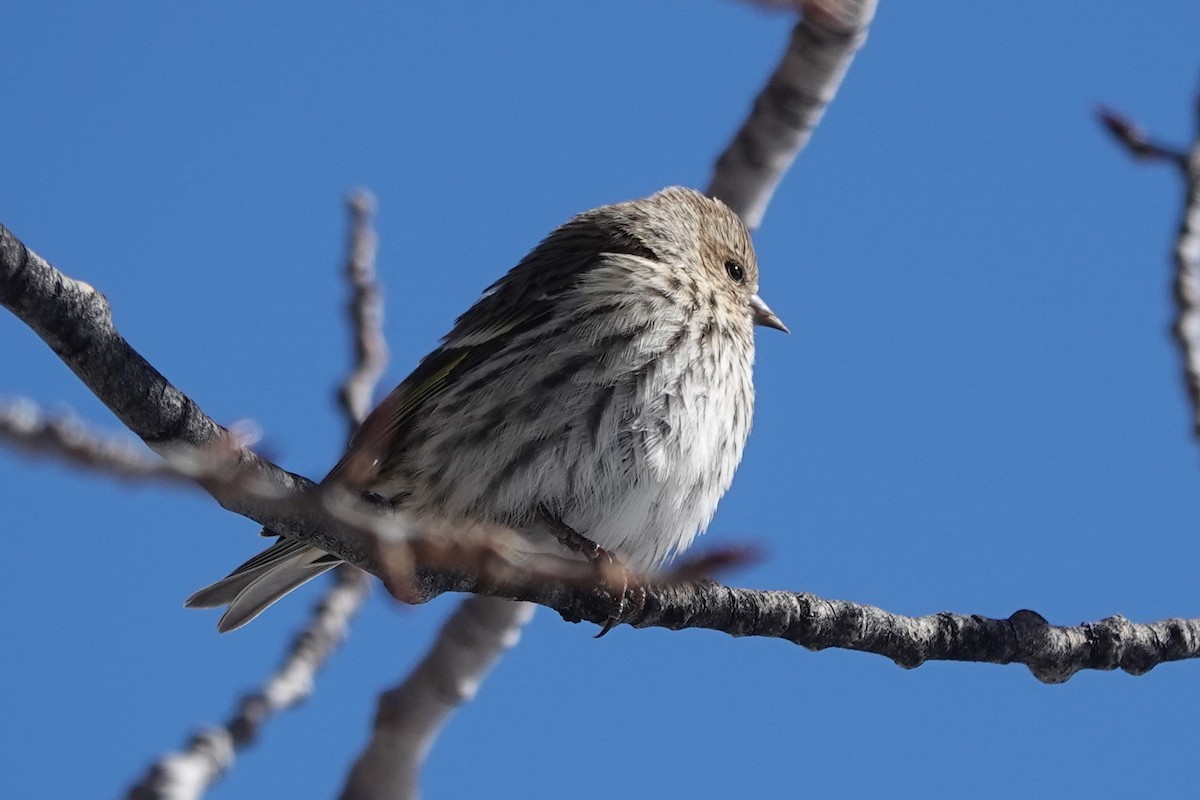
467	346
525	298
373	439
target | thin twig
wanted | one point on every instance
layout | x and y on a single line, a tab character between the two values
210	753
221	463
1186	254
365	309
1135	140
412	714
24	426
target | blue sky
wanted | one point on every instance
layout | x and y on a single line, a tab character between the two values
978	409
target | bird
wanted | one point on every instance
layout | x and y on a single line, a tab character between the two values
600	391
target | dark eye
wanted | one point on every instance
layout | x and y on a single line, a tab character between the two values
735	271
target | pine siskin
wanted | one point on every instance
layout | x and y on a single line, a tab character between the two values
602	387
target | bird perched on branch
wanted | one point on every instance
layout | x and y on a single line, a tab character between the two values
600	391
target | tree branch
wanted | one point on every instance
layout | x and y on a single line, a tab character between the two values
365	310
76	321
410	716
26	428
1053	654
1186	287
821	49
210	753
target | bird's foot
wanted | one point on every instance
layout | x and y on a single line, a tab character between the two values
625	597
632	601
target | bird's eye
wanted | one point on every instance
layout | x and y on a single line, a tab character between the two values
735	271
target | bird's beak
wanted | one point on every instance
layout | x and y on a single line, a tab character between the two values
765	316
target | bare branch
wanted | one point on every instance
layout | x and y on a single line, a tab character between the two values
410	716
1053	654
1186	286
365	310
210	753
27	428
75	320
821	49
396	540
1135	140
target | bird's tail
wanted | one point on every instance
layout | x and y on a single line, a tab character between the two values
262	580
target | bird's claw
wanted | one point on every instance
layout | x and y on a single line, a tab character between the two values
631	601
606	565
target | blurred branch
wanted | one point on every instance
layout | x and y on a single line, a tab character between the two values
24	426
366	313
1135	140
1186	330
209	754
410	716
821	49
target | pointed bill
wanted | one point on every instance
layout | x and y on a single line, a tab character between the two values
764	316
